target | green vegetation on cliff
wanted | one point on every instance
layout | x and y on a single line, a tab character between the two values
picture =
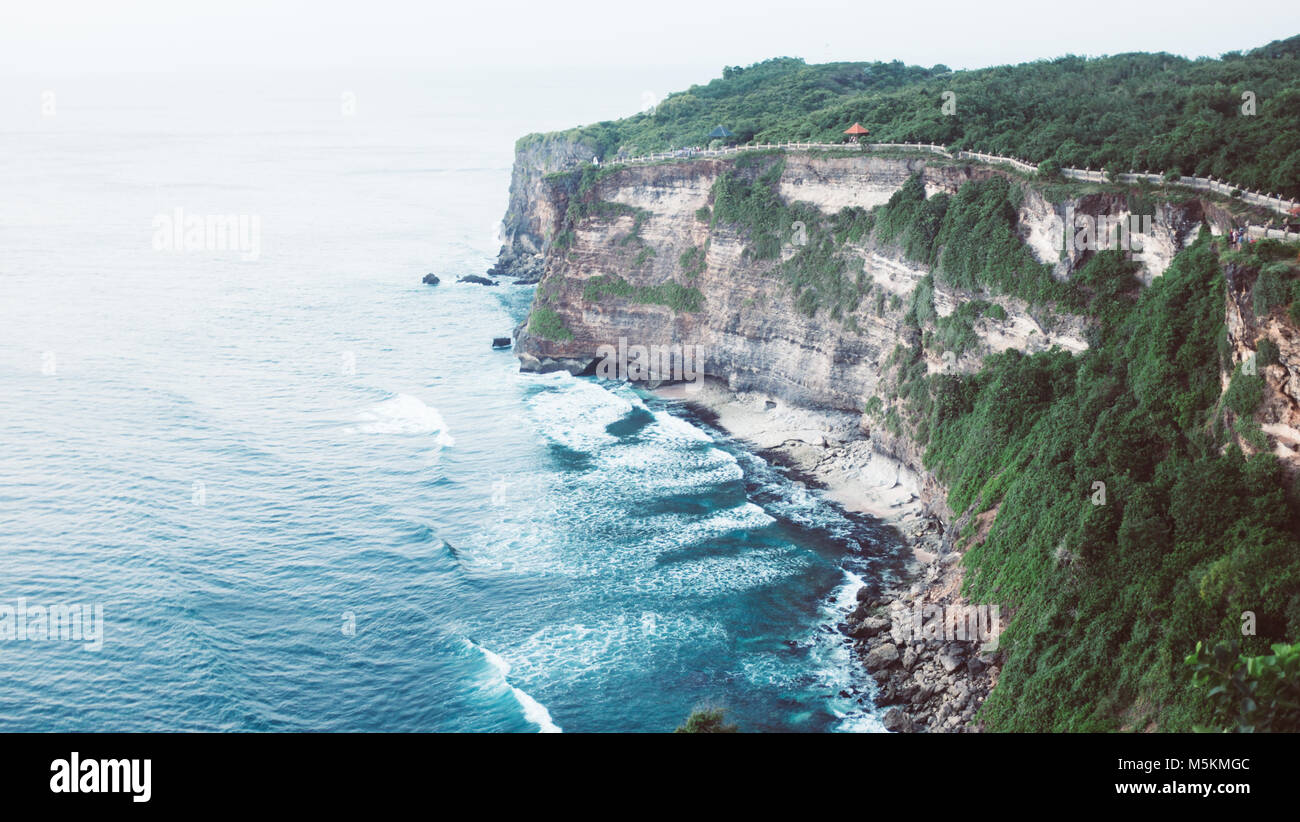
1249	694
674	295
1141	111
749	100
820	271
1108	598
581	188
970	239
706	721
547	324
1112	585
1275	269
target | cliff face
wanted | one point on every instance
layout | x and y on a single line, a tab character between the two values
1278	414
753	335
748	326
527	219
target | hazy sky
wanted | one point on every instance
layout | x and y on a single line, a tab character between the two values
76	36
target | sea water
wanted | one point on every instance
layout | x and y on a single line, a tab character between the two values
303	488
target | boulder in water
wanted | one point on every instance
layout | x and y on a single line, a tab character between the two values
477	280
500	342
430	279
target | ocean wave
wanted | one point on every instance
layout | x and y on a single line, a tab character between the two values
604	645
404	414
676	425
840	669
676	531
575	414
667	466
534	711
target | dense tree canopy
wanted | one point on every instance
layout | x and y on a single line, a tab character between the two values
1141	111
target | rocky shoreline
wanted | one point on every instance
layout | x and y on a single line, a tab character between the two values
933	686
524	267
926	683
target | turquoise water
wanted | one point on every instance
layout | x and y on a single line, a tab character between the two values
243	459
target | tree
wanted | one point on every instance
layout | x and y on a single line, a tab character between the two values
706	721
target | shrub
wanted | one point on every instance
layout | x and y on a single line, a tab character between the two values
1191	534
1269	292
921	309
956	332
692	261
1249	694
977	231
706	721
671	294
819	272
1244	393
545	323
1266	352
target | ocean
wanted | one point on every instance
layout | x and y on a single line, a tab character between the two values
302	486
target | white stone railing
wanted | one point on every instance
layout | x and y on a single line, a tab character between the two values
1269	201
687	154
1259	231
994	158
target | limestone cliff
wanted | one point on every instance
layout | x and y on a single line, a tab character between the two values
755	337
1250	337
527	220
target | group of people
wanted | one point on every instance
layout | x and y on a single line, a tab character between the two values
1239	237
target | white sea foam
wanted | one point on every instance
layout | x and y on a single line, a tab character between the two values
829	668
666	466
575	414
844	597
837	666
534	711
569	655
404	414
681	531
676	425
